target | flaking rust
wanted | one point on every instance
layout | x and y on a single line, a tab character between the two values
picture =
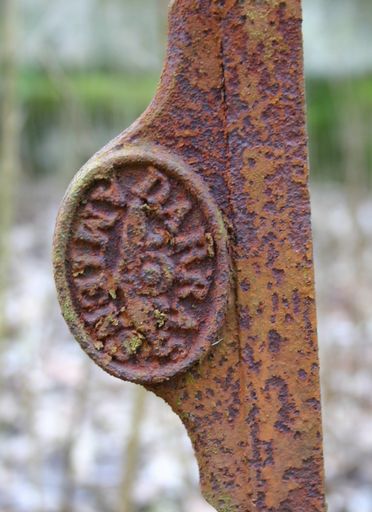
183	254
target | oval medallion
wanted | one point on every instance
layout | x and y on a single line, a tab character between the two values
141	265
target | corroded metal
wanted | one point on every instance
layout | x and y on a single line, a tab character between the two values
144	268
226	336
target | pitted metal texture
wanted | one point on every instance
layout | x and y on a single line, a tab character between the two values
225	134
146	269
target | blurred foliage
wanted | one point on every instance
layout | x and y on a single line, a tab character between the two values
337	107
91	106
93	89
108	101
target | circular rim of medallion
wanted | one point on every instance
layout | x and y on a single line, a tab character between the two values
99	168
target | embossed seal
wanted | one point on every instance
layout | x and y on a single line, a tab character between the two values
141	265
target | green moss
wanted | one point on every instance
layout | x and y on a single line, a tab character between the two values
134	343
148	208
189	378
222	503
68	313
112	293
160	318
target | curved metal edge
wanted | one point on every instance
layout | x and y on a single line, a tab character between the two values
98	167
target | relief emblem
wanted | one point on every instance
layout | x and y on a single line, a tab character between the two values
146	271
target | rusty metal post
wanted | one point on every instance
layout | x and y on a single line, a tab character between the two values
183	254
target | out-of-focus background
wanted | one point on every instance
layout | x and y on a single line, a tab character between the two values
73	74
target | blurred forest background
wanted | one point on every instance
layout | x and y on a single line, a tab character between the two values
73	74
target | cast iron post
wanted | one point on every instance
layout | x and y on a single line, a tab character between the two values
183	254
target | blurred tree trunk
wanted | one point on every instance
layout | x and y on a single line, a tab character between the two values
9	143
78	415
354	133
354	143
131	451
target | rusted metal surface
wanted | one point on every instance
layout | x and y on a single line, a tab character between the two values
226	336
145	266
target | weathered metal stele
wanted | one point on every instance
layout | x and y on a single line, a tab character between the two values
183	254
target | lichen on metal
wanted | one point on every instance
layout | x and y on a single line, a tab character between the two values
183	254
